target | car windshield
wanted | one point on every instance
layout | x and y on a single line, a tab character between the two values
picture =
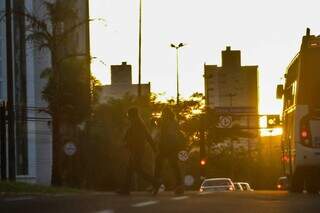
220	182
283	181
237	186
244	186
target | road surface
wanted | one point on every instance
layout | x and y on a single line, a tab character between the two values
191	202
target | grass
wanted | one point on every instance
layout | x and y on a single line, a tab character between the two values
27	188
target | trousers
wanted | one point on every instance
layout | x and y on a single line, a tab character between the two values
136	166
173	162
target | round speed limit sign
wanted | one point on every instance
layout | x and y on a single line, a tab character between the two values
225	121
183	155
70	149
188	180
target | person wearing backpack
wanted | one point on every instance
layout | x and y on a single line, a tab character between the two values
170	144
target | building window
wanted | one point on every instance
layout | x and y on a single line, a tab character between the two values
0	47
1	27
1	91
1	70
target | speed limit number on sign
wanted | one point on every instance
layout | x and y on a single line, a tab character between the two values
183	155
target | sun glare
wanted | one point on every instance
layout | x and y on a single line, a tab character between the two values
271	132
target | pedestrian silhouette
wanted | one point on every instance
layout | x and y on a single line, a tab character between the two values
136	138
169	146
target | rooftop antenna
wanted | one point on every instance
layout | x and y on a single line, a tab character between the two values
308	31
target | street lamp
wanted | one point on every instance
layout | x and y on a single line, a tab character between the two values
177	61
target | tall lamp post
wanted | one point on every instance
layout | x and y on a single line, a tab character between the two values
177	46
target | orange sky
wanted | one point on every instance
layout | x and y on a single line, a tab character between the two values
267	32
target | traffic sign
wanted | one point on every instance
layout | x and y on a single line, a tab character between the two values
188	180
70	149
162	188
225	121
273	121
183	155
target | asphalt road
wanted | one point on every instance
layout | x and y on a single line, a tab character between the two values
193	202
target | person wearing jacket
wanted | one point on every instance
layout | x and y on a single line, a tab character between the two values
136	138
169	148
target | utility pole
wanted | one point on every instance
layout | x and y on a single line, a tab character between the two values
249	149
3	146
203	158
231	95
11	126
270	146
140	38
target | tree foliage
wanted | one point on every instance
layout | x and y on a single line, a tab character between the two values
69	90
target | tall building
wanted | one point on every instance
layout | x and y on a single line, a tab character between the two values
231	85
232	89
121	84
20	87
33	134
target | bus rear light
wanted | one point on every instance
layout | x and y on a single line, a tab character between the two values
305	136
285	158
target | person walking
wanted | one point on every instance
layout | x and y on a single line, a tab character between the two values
169	146
135	138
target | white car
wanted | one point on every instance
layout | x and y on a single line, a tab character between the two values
217	185
245	186
237	186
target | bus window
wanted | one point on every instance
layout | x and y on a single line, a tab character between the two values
315	133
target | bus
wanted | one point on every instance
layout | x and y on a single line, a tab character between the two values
301	117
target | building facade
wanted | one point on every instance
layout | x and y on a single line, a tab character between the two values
232	89
231	85
33	134
24	149
121	84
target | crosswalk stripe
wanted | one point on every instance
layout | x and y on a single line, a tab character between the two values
147	203
180	198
